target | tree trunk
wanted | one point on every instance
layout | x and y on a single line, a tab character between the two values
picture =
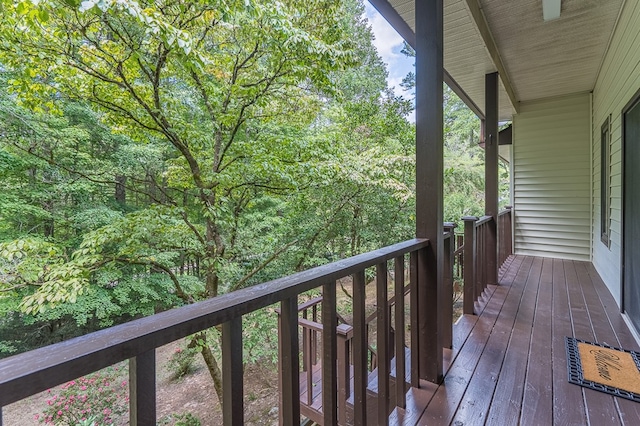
121	191
210	360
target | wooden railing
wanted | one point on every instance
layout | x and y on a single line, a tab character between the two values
35	371
476	248
379	356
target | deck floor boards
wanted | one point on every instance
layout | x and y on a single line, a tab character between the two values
509	363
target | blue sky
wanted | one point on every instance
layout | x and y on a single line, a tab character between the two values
389	44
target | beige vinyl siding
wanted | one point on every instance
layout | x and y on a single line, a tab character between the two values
552	178
618	81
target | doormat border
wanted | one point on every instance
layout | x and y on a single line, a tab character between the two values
575	369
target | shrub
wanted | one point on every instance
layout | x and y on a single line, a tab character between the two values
182	362
182	419
96	400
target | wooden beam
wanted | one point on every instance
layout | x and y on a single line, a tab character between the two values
407	33
429	170
491	176
492	49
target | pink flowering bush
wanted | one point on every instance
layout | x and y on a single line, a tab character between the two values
98	397
182	362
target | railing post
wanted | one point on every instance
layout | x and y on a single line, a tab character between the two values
508	231
142	389
469	264
289	363
446	312
360	347
329	355
232	373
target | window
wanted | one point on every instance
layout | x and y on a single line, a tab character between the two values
605	181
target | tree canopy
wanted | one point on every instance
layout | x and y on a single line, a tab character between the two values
157	153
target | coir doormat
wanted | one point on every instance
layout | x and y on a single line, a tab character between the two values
604	368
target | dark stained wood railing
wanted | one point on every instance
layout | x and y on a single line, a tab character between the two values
26	374
383	352
476	246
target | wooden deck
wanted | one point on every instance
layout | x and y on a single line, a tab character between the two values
508	365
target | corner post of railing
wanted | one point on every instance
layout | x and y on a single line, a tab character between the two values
232	373
329	354
344	376
142	389
508	231
446	312
469	263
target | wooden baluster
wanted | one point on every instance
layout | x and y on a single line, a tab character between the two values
307	336
360	350
232	373
469	264
329	355
382	317
399	335
305	345
142	389
289	363
344	378
314	336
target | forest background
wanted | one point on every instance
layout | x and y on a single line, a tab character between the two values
154	154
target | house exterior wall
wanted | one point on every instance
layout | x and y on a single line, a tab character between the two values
618	81
552	178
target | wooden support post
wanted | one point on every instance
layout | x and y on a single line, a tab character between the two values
469	264
360	348
289	363
142	389
232	373
491	176
329	355
429	170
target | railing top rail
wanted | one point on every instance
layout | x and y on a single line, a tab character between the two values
34	371
507	210
309	303
483	220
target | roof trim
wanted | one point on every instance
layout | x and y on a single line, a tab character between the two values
489	42
405	31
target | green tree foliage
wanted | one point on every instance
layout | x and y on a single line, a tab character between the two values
179	150
153	154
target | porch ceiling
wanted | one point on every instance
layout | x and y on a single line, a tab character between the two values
540	59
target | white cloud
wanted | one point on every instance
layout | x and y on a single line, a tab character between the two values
387	41
389	45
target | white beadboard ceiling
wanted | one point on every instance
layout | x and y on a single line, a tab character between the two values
541	59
